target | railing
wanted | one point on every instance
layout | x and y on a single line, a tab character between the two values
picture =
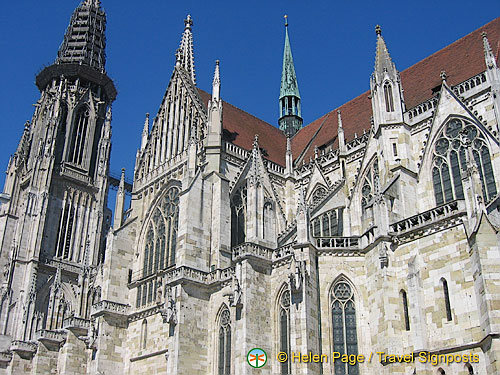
251	249
472	82
49	335
424	107
357	141
74	322
337	242
427	217
105	306
236	150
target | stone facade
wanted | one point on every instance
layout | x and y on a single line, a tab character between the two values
386	241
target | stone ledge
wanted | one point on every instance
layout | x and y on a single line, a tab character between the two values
110	308
78	326
5	357
51	339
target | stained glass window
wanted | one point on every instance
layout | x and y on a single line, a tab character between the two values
345	339
238	215
224	350
284	329
449	161
161	239
328	224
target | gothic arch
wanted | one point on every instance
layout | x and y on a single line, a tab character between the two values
368	182
449	153
344	305
223	341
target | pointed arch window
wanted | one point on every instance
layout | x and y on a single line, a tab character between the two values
345	339
284	330
450	161
404	299
446	296
268	222
389	101
370	185
65	233
224	343
79	136
160	244
144	334
238	216
328	224
61	132
318	195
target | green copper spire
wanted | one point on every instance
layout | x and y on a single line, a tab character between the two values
290	120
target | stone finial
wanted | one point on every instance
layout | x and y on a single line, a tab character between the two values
286	20
443	75
188	22
378	30
256	141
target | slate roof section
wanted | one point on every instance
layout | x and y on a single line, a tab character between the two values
461	60
240	128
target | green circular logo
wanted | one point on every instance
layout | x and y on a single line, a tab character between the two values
257	358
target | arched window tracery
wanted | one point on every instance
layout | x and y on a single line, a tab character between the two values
345	340
389	100
450	161
371	184
160	244
79	135
328	224
284	329
238	216
224	343
318	195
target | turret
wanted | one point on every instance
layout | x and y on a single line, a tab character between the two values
385	85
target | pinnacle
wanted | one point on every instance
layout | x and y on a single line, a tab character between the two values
184	55
383	61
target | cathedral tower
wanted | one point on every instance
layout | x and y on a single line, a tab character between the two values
52	230
290	120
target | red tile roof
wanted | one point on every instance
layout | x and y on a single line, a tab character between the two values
243	127
461	60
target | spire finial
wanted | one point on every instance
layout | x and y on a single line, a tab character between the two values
188	22
489	56
443	75
256	141
216	82
286	20
378	30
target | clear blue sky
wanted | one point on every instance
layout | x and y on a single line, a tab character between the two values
333	44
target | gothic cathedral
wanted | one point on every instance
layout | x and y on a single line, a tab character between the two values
372	231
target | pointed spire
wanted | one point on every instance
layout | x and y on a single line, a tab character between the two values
216	83
145	132
383	61
489	56
88	49
290	120
289	85
184	55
